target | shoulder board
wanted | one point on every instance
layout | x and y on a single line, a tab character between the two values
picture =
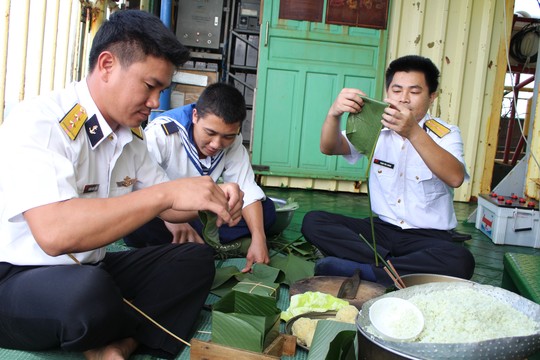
73	121
170	128
437	128
138	132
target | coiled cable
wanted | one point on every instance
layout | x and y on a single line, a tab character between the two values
524	44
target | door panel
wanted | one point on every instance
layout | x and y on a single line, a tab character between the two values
279	131
302	67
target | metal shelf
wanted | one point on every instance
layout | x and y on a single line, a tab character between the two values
242	55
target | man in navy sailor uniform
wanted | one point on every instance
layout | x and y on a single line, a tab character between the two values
205	139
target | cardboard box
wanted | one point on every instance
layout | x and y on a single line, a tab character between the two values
508	224
195	77
195	81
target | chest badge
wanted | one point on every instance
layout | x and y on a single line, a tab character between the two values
126	182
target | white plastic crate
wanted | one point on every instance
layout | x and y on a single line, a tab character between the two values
514	224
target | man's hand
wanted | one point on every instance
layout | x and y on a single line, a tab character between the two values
332	141
348	100
235	198
400	118
257	253
202	193
183	233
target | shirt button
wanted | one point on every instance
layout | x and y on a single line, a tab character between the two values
399	201
417	178
401	222
400	174
379	171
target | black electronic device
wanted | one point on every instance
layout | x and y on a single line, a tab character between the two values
248	15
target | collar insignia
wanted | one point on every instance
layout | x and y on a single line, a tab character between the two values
138	132
93	130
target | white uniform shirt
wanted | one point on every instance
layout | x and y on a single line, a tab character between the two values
42	165
171	153
404	192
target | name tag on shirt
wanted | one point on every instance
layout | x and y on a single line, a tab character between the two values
383	163
90	188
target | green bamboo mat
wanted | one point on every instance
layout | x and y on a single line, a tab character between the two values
202	332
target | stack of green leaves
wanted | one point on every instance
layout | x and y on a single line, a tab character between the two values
282	269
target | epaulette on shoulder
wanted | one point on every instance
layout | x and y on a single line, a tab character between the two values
138	132
170	128
437	128
73	121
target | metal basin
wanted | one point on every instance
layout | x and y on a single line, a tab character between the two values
372	347
368	349
419	279
284	215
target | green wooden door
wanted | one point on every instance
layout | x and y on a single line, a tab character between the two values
302	67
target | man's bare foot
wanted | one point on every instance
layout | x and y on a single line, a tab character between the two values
118	350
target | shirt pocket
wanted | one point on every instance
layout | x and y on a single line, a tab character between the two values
424	184
385	175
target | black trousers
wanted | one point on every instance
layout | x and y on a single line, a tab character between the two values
155	232
80	307
410	251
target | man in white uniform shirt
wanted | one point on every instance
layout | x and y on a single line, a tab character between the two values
418	161
76	176
205	139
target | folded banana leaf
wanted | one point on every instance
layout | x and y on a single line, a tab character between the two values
245	321
210	229
258	288
294	267
228	277
333	340
363	131
363	128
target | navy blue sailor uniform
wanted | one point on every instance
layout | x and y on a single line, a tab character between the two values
57	148
414	210
170	142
